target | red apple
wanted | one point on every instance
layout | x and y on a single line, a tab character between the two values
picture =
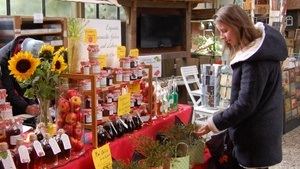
77	145
68	129
78	131
72	92
63	105
60	122
75	102
71	118
80	116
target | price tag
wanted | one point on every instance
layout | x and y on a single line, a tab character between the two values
66	141
38	148
54	146
24	155
124	104
121	52
134	52
102	61
7	160
90	36
134	88
102	157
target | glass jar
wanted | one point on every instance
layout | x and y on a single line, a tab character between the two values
116	94
6	110
87	112
13	133
108	109
118	76
102	135
99	112
139	69
95	66
125	63
126	75
86	84
85	67
110	79
132	101
109	97
98	80
133	61
133	75
103	81
3	96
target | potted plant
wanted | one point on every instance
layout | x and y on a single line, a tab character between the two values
155	154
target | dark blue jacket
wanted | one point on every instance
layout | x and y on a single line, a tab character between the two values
255	116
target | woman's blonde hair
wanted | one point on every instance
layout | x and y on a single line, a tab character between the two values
235	17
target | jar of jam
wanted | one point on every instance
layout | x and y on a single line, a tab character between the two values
118	76
103	81
126	75
3	96
133	75
108	109
98	80
86	84
13	133
6	110
102	135
51	157
87	115
95	66
125	63
99	112
139	70
132	101
138	99
109	97
133	61
85	67
110	79
116	94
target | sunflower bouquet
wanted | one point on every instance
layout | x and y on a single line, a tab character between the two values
39	76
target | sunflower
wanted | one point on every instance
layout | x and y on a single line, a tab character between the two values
58	63
23	65
46	52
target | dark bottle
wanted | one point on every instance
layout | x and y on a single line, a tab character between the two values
137	120
120	127
109	127
130	124
102	136
39	131
20	163
65	154
13	133
9	163
50	159
35	161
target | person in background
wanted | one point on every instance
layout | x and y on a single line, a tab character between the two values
15	94
254	118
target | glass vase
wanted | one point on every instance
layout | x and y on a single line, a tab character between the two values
45	116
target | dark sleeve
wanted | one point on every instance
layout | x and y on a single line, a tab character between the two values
15	94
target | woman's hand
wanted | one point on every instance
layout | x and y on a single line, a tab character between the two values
203	130
33	110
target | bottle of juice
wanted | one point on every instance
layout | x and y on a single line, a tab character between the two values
12	133
51	158
102	136
6	157
21	155
64	144
174	96
36	152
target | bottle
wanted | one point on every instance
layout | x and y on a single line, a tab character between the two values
21	155
40	131
137	120
65	153
102	135
36	160
7	162
130	123
12	133
112	132
50	158
120	127
174	96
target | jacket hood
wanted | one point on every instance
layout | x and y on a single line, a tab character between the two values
271	46
8	50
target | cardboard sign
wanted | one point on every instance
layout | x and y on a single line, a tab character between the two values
124	104
102	157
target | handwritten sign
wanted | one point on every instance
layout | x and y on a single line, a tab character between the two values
134	88
102	61
90	36
124	104
134	52
121	51
102	157
155	61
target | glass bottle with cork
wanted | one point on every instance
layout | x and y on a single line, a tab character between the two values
6	157
36	152
64	144
51	158
21	155
12	133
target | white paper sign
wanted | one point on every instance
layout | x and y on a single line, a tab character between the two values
8	161
66	141
155	61
24	155
38	148
54	146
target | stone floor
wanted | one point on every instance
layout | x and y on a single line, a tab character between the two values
291	150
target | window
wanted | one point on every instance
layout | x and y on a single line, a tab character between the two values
2	7
56	8
21	7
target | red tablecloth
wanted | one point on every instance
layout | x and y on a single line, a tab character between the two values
122	148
